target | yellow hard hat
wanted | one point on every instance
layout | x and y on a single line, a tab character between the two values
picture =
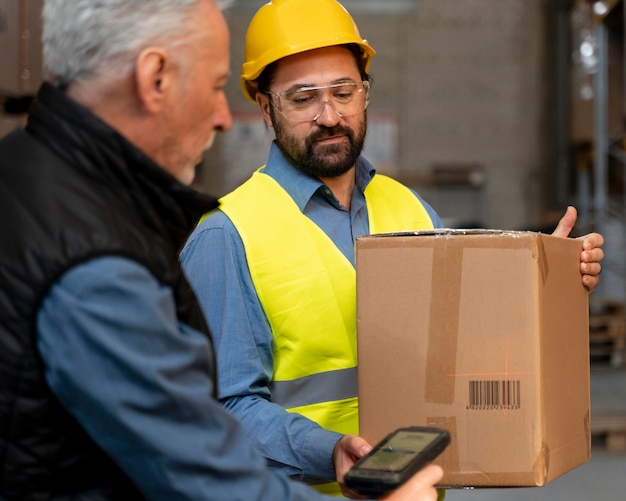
282	28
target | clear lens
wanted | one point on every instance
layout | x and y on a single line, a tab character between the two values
305	104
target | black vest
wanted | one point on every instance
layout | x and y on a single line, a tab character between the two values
71	189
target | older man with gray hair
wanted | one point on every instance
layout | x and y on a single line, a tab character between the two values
107	370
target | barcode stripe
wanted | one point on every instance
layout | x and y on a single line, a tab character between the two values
495	395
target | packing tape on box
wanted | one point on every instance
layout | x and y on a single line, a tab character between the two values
443	328
450	457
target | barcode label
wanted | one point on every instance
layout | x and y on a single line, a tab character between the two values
494	395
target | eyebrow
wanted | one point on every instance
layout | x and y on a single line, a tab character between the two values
338	81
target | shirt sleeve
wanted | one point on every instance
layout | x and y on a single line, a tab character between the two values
215	264
139	383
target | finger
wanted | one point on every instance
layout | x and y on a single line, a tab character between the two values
433	474
590	282
351	494
592	241
566	223
593	268
354	445
593	256
422	482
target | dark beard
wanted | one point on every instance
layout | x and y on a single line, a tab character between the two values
322	161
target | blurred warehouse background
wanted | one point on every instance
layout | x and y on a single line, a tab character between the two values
500	113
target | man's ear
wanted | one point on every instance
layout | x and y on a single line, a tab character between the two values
263	100
153	77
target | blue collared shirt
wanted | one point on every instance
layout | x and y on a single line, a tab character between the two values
215	262
139	383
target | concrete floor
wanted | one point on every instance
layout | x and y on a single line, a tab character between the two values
602	478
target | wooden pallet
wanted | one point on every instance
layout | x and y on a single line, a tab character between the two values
607	334
610	307
608	430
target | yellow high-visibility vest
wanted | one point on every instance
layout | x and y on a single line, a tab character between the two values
307	288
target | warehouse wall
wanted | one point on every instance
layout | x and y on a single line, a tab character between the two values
458	84
459	87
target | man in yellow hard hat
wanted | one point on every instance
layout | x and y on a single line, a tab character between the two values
274	267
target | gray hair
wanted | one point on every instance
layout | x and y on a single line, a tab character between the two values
86	37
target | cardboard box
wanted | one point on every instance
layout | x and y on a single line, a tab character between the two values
484	333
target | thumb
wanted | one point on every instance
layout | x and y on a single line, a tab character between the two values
566	224
419	486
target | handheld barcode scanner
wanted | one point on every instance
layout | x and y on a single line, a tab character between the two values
396	458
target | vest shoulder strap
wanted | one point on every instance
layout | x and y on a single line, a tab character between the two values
391	206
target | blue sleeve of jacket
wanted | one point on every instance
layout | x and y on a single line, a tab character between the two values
138	382
215	264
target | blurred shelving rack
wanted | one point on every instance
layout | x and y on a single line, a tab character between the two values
601	160
602	203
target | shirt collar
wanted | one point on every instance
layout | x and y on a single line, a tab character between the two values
301	186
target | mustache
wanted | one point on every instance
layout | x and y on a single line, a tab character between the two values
323	132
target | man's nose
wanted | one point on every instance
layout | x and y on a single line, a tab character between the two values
327	114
